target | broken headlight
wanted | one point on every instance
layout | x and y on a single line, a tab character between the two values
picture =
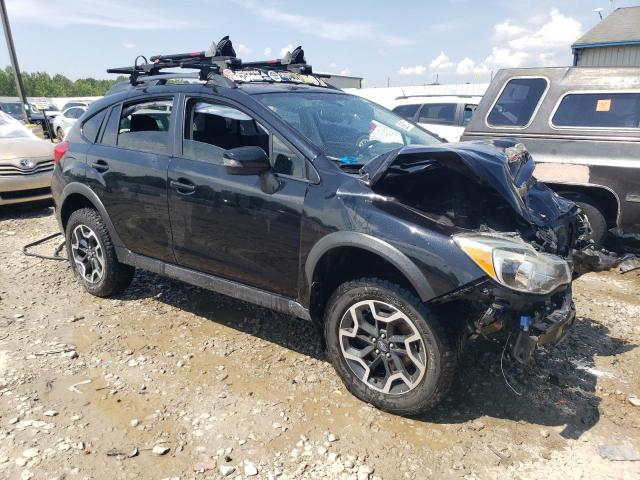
514	263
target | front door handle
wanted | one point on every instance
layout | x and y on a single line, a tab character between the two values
183	186
100	165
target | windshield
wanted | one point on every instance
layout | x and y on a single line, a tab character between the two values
11	128
12	108
348	129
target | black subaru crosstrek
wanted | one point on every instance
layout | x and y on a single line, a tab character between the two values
262	182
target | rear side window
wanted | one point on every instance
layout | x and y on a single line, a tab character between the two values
438	113
91	127
406	111
598	110
518	101
145	126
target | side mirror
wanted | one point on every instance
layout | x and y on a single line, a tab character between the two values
246	161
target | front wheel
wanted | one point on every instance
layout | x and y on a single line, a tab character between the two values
387	346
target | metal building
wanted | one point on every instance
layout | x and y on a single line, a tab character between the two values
614	42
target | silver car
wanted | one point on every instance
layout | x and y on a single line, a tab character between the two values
26	163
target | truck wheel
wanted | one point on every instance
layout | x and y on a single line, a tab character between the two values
596	220
387	346
92	255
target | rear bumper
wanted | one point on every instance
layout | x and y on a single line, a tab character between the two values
25	188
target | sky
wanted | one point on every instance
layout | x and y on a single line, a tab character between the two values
396	42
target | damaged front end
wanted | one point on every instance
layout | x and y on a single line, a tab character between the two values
529	241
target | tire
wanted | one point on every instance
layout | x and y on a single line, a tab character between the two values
60	134
596	220
433	345
113	277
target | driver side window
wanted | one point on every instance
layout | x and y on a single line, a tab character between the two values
212	128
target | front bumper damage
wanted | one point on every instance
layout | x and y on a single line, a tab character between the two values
524	321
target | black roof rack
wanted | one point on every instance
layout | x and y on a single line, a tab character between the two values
219	63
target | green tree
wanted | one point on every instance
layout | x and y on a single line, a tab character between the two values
41	84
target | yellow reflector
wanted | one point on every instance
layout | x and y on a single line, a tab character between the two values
482	257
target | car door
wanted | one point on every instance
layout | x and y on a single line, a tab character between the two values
227	225
127	168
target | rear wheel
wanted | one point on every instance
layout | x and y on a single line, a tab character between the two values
387	346
597	221
60	134
92	255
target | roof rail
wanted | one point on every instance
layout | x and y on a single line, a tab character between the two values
219	62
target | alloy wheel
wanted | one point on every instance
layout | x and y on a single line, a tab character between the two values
382	347
87	253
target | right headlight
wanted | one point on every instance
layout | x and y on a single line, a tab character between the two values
514	263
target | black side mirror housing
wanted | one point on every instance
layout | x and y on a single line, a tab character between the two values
246	161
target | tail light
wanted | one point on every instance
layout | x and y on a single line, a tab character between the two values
372	127
59	152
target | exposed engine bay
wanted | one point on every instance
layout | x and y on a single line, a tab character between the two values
470	187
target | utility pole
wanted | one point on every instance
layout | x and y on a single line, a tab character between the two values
14	59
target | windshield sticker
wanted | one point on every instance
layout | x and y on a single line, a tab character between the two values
603	105
275	76
228	74
404	125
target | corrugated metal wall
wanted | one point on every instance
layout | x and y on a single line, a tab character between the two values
625	56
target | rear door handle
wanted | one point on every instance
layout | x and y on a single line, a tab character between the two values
183	186
100	165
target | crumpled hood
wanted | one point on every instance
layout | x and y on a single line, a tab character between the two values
501	164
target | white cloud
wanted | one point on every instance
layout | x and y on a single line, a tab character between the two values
331	29
129	45
416	70
267	51
558	31
333	65
441	63
504	57
120	14
243	49
345	71
285	50
541	41
465	67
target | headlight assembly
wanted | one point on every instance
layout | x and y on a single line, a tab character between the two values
515	264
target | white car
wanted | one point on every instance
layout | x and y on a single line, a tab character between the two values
446	116
63	122
26	163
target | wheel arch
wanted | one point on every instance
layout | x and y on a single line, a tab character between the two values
77	195
367	256
601	197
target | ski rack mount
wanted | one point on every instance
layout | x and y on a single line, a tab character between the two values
220	64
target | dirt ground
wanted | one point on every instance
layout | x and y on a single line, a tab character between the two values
170	381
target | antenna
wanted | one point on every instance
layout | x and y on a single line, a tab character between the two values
599	11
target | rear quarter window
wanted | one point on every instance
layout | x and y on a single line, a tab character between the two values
91	127
406	111
517	102
598	110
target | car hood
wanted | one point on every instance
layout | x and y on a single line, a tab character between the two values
502	164
25	148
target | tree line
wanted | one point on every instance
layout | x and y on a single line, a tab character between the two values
41	84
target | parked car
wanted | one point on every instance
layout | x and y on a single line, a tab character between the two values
14	109
263	183
446	116
582	125
26	163
74	103
63	122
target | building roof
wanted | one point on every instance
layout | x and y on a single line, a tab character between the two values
622	27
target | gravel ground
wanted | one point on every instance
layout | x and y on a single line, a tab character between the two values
170	381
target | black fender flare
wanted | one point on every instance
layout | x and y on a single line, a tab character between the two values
90	195
374	245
